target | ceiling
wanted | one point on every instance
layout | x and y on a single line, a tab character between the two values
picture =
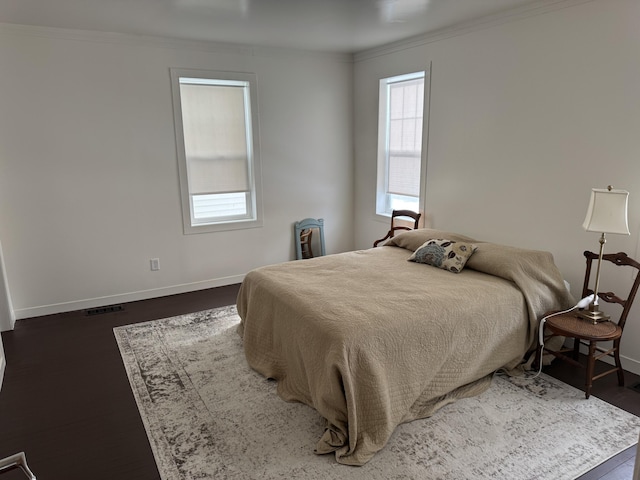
324	25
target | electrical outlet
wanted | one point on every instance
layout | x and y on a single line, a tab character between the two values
155	264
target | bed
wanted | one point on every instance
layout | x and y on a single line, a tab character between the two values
371	340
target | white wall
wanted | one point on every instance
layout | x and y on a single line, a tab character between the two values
7	317
89	187
526	117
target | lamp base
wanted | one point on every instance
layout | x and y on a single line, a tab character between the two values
594	316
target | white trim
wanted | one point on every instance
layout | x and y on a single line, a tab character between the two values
379	213
628	363
519	13
426	120
636	468
3	363
530	10
126	297
7	314
169	42
249	80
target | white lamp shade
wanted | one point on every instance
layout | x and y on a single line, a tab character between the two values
607	212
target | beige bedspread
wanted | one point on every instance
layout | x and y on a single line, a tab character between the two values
371	340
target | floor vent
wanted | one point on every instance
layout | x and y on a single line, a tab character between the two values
103	310
635	386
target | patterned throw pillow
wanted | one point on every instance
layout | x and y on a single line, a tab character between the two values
445	254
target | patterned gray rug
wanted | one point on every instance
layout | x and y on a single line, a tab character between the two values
209	416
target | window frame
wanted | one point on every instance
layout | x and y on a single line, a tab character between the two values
383	209
254	217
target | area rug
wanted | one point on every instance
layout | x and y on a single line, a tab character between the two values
209	416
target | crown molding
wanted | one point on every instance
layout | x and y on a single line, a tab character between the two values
135	40
526	11
488	21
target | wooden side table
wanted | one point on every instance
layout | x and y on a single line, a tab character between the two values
571	326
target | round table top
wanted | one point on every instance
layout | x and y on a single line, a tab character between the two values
570	324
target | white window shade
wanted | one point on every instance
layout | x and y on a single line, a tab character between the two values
215	138
401	165
217	146
405	136
403	179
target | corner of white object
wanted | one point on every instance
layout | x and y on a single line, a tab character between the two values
7	318
7	315
567	285
636	470
18	460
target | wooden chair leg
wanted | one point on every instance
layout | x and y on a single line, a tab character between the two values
576	349
616	356
591	360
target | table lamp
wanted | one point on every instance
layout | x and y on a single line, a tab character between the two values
607	213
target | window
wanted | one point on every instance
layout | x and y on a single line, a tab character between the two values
401	165
216	136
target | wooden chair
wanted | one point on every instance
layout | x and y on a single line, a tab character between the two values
394	227
305	243
585	332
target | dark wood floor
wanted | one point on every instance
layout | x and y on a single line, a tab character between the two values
66	400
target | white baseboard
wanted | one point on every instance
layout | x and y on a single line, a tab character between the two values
125	297
7	318
636	469
629	364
